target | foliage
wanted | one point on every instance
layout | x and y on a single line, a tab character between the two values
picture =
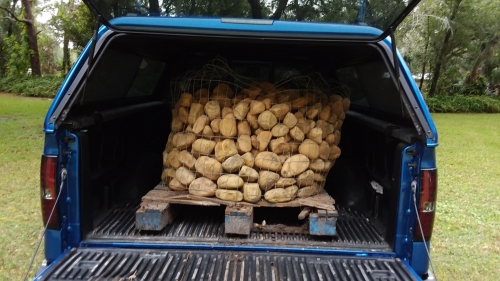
16	55
463	104
32	86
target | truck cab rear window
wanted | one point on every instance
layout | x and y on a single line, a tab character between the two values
120	75
371	85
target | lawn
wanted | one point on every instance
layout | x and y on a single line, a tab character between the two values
21	143
466	239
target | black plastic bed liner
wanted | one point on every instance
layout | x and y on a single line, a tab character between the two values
127	264
205	225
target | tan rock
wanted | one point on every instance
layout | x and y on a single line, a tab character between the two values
280	130
257	107
244	144
202	187
280	110
201	93
225	149
208	167
215	125
290	120
229	195
267	103
183	115
233	163
241	110
200	124
252	120
204	146
324	114
306	178
251	192
324	150
248	174
264	137
309	148
313	111
316	135
228	126
207	132
244	128
177	125
249	159
346	102
308	191
267	179
225	111
176	185
277	195
167	175
223	89
173	158
292	191
195	111
185	100
267	160
317	165
187	159
305	125
279	146
334	152
229	181
297	134
267	120
212	110
295	165
184	176
284	182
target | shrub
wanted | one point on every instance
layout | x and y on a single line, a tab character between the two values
463	104
31	86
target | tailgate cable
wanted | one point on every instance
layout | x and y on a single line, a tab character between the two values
414	191
64	172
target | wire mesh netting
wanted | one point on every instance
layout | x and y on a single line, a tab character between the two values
239	139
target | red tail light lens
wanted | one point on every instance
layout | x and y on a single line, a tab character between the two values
48	191
427	205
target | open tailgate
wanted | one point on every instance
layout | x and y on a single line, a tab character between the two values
135	264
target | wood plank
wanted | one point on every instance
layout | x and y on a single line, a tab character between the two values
304	213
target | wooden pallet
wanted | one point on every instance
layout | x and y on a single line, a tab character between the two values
156	211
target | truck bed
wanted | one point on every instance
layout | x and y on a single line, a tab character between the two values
205	225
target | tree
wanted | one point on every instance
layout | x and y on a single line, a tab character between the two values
31	33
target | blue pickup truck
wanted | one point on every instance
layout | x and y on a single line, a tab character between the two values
107	128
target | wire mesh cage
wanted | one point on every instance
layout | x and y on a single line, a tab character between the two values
241	139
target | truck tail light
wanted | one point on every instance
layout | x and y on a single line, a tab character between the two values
48	191
427	204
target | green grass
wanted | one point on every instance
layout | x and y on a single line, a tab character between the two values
21	143
466	239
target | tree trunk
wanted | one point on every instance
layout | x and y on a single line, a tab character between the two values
443	52
255	8
485	53
154	8
32	39
279	10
